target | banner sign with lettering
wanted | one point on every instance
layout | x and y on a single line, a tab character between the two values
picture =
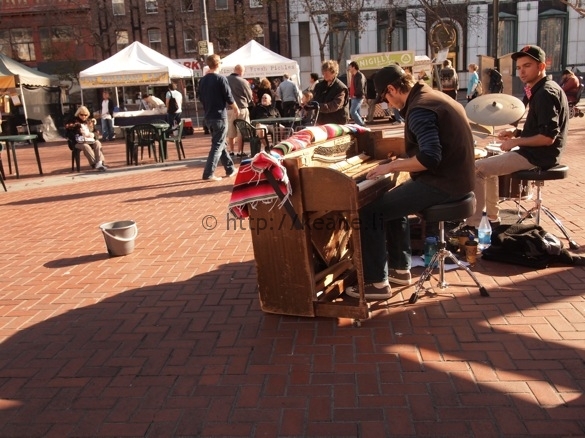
376	61
193	64
121	80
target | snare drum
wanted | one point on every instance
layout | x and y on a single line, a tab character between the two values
480	153
508	187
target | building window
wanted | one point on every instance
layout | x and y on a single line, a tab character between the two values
343	41
23	48
187	6
398	37
255	4
221	5
507	25
189	42
118	7
391	31
46	44
55	40
151	7
257	32
121	39
5	43
304	38
155	39
551	34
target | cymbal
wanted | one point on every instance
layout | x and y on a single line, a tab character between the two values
495	109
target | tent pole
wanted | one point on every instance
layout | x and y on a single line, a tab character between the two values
24	107
195	97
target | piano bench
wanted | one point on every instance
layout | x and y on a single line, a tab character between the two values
449	211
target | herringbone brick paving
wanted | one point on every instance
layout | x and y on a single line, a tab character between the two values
171	341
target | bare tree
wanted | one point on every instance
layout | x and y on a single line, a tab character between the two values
335	17
437	18
576	5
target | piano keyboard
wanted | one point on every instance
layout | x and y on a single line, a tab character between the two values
367	183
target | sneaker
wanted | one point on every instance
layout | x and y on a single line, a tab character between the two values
232	173
232	153
100	167
371	292
243	155
213	178
399	278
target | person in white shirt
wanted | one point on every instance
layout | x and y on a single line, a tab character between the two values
174	117
153	102
107	114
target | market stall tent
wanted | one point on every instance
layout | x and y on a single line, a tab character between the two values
259	62
14	76
136	64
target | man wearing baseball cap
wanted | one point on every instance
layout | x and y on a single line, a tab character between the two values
540	142
440	160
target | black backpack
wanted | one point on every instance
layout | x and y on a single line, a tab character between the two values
173	106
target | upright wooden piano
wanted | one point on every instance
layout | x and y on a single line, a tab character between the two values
304	270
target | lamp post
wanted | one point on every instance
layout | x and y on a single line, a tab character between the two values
496	22
205	28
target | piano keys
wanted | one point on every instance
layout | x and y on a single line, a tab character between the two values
304	271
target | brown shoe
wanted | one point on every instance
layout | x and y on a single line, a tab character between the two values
403	279
371	292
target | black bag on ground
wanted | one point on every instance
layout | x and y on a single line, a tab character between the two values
527	245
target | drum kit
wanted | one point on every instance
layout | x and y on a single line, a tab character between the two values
491	110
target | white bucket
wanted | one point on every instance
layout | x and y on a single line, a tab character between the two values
119	237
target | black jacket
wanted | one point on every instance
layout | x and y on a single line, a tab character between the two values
332	101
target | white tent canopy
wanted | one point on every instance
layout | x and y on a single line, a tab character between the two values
259	62
13	74
136	64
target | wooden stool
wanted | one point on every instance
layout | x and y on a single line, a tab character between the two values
450	211
539	176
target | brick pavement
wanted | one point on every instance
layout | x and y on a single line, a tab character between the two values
170	340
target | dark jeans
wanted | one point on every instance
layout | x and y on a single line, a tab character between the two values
388	217
218	130
174	118
288	109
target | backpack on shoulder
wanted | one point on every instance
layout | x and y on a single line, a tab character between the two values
173	106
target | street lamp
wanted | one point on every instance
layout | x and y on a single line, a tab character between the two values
205	28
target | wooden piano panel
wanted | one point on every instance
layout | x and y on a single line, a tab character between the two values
326	189
284	266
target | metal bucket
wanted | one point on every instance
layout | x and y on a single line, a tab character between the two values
119	237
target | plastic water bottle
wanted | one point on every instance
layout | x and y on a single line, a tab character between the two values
484	233
430	249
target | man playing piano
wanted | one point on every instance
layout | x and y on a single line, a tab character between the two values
440	160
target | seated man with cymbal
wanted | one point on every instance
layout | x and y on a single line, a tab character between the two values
539	143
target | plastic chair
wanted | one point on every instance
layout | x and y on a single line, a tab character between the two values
75	155
2	175
142	136
250	135
450	211
177	140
